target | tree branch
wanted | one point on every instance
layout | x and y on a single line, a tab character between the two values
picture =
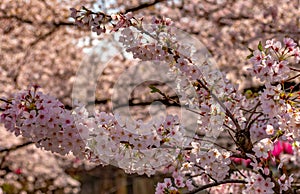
143	6
28	21
16	18
228	113
216	184
16	147
42	37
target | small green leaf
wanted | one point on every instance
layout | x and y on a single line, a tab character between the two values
153	89
248	94
250	49
260	46
249	56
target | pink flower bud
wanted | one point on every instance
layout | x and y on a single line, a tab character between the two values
287	147
278	148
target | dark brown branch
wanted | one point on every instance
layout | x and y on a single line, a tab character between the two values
251	115
16	18
295	69
4	100
8	150
28	21
43	37
143	6
250	123
216	184
16	147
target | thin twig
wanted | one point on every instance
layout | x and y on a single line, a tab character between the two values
212	143
289	79
238	170
216	184
206	173
8	150
143	6
255	119
251	115
16	147
229	127
228	113
4	100
236	143
294	69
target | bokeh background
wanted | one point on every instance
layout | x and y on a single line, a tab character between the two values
40	45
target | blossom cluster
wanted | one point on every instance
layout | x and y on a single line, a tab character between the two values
99	22
213	162
136	147
271	64
173	187
44	120
258	184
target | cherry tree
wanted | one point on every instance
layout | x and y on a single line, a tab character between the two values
254	123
